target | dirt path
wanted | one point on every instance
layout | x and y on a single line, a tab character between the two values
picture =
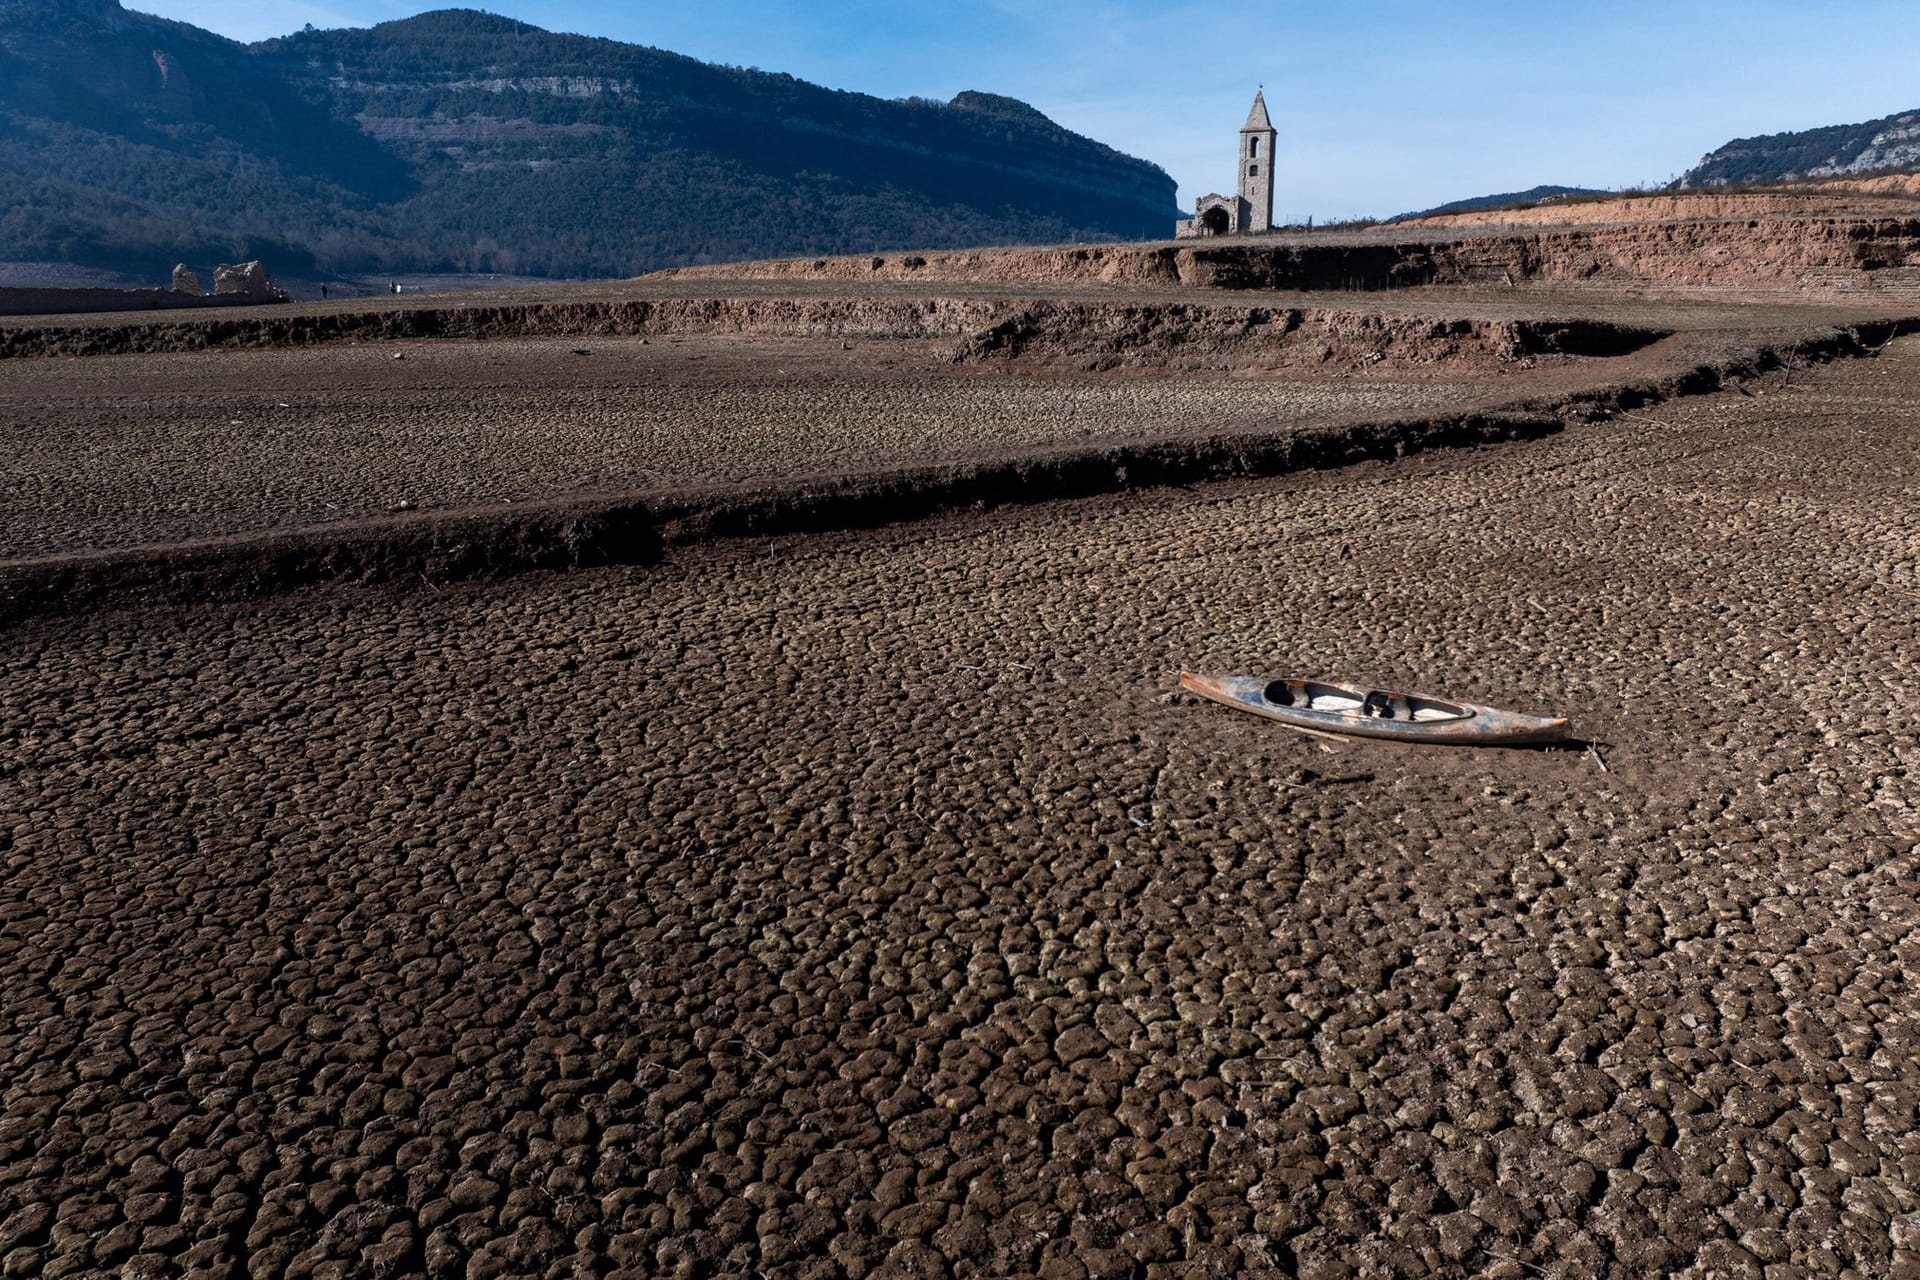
864	905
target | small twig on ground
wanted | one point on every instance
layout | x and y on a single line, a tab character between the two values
750	1049
1597	758
1641	417
429	581
1534	1267
1314	733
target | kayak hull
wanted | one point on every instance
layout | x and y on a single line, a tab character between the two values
1363	712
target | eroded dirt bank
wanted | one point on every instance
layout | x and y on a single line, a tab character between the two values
1145	333
121	493
1891	196
502	541
1844	255
862	906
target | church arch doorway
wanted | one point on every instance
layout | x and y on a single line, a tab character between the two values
1215	221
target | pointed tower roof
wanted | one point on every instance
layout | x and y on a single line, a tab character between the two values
1257	120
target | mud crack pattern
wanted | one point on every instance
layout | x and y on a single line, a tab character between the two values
125	450
867	906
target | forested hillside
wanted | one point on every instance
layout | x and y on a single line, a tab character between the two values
1890	143
460	141
1530	198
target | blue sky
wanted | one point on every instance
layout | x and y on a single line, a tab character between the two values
1382	107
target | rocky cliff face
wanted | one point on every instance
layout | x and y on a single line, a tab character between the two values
467	142
1897	146
1890	143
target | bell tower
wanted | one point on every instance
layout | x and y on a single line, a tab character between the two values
1257	137
1252	210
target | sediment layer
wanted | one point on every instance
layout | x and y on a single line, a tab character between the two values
1892	196
877	906
428	549
1796	255
433	548
981	326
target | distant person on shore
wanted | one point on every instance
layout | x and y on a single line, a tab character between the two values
323	293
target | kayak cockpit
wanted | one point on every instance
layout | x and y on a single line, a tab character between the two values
1373	704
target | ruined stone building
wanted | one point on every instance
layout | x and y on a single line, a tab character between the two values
1252	209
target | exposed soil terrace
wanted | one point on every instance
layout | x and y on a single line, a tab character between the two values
868	904
1814	253
437	459
1153	326
1894	196
892	302
121	452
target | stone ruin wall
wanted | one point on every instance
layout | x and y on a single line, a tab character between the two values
245	285
61	302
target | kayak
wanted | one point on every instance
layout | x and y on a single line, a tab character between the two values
1359	711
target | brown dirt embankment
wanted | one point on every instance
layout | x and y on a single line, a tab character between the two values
1907	184
484	543
1137	333
1890	199
892	318
1806	256
1183	336
496	542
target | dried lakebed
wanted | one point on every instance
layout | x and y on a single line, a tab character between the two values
122	451
111	453
862	905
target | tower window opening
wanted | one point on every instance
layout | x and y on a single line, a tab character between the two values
1253	171
1253	146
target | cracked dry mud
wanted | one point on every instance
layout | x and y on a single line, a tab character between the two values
108	452
865	905
123	450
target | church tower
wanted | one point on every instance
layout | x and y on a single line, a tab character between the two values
1257	137
1251	210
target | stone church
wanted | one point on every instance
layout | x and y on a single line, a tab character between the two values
1252	209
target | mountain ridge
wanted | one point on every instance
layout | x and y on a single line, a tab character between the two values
1530	198
1888	144
458	140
